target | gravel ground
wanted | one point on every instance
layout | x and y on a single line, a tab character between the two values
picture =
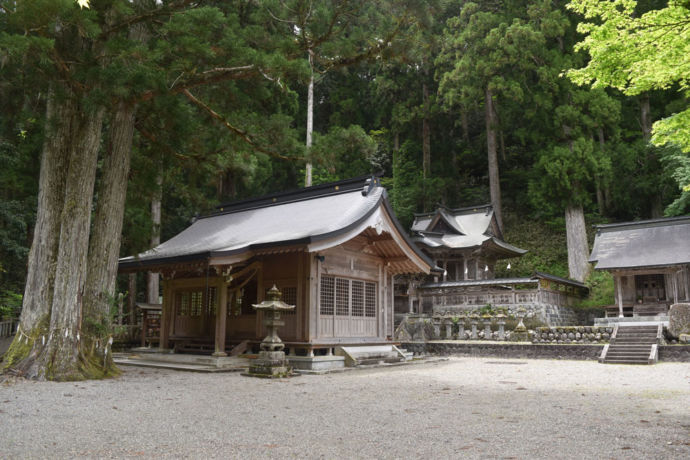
463	407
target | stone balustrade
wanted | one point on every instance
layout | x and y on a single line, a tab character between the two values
572	334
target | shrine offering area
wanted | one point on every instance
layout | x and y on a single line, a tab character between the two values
462	407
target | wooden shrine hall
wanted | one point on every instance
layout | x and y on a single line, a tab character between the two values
650	264
332	250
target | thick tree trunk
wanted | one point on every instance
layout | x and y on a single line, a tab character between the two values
61	358
38	294
310	118
600	185
104	246
494	183
153	278
426	134
645	118
465	125
657	208
576	238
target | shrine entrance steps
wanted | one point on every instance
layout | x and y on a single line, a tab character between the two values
356	356
181	362
632	345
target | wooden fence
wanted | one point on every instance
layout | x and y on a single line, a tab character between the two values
8	327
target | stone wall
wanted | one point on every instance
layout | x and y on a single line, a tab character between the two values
552	315
507	350
587	352
572	334
675	353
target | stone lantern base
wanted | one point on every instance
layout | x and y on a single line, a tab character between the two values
270	365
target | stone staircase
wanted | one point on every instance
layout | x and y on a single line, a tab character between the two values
632	345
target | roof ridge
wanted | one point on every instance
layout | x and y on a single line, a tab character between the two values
364	183
662	220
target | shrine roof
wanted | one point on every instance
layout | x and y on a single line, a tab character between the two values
304	219
647	243
462	228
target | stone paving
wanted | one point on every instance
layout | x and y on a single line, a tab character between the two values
460	408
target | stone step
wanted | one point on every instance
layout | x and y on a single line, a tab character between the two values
626	361
373	361
615	355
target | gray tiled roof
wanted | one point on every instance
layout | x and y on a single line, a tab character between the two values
651	243
301	217
471	227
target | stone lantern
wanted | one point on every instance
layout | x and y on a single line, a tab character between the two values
271	362
520	333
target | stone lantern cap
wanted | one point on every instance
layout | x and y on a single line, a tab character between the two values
274	303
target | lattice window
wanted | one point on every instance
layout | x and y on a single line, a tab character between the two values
357	298
327	295
290	298
211	302
183	308
196	303
342	297
370	300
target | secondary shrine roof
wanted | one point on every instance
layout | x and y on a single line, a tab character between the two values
463	228
648	243
311	219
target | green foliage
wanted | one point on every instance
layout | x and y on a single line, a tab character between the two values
600	284
637	51
10	304
545	242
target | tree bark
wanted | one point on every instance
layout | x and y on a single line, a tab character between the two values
310	118
600	185
576	238
61	358
465	125
38	293
426	134
645	118
153	278
104	246
494	182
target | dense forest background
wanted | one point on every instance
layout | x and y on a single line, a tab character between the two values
419	92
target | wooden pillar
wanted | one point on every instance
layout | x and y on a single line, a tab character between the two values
619	295
464	268
410	300
166	314
445	270
221	318
381	313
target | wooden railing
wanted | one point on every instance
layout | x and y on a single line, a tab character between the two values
497	297
8	327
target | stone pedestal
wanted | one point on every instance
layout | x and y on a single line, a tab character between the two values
487	327
501	330
461	329
449	330
474	329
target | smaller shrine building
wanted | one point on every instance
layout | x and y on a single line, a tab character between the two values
466	245
650	264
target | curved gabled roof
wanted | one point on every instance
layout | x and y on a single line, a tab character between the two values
303	217
470	227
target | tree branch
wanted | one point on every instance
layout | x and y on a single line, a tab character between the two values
145	16
238	132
